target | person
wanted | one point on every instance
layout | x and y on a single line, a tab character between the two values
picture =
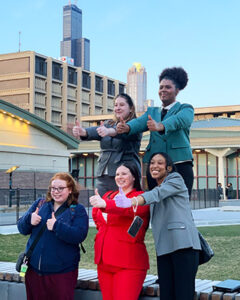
176	238
220	191
114	149
229	191
122	260
53	266
169	125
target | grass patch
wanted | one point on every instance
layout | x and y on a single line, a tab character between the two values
224	240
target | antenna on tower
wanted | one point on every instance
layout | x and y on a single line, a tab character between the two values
69	2
19	41
75	2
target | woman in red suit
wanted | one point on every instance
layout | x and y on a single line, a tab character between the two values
122	260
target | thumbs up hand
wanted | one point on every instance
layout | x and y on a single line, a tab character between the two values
35	218
102	130
122	126
97	201
153	125
50	222
78	130
121	200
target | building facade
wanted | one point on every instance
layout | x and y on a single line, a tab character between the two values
137	85
55	91
73	44
38	148
216	151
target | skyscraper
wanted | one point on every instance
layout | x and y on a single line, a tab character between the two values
73	44
137	85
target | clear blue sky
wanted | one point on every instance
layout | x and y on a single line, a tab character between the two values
203	36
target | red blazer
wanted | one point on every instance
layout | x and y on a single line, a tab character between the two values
113	245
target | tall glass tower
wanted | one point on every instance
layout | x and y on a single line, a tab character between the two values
73	44
137	85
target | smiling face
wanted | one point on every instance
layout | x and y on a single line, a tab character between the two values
124	179
121	108
167	92
158	168
59	191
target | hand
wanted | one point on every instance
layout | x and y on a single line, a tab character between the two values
121	200
51	222
97	201
35	218
102	130
153	125
122	127
78	130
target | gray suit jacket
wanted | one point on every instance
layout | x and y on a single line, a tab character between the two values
115	150
172	223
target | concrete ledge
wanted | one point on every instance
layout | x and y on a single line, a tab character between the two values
230	208
12	286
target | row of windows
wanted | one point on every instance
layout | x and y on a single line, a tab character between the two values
57	73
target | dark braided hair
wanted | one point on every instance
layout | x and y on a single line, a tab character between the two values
177	75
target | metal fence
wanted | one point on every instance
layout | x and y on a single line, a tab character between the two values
13	203
204	198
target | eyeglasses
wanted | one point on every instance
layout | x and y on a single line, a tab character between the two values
58	189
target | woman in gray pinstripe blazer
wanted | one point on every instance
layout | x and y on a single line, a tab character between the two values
115	149
175	235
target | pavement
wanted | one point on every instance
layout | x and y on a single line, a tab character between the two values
228	213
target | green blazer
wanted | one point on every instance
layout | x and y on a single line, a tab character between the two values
175	140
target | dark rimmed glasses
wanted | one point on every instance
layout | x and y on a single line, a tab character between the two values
57	189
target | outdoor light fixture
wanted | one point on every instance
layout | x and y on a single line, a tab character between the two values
10	171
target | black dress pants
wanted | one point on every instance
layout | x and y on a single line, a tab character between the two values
176	273
185	169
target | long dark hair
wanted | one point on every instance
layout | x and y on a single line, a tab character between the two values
135	173
169	163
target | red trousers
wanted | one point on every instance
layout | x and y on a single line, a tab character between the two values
120	284
50	287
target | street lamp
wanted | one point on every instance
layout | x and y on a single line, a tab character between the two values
10	171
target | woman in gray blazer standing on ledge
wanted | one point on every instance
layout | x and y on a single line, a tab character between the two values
115	149
175	235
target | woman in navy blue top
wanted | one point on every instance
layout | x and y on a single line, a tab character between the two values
53	266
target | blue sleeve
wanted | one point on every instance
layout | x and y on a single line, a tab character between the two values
24	223
76	231
182	120
139	124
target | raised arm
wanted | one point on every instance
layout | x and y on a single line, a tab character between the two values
182	120
78	131
106	131
138	125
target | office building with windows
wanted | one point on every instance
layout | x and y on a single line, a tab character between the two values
137	85
73	44
56	91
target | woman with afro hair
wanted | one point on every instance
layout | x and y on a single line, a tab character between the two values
169	125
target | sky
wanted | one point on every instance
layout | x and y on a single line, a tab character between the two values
202	36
